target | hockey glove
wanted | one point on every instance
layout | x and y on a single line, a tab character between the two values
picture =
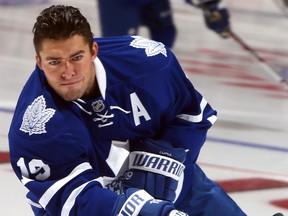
139	202
155	166
216	19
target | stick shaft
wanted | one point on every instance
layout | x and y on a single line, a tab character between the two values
264	64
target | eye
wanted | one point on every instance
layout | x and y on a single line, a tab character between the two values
77	58
54	62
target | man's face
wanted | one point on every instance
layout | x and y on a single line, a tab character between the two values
68	66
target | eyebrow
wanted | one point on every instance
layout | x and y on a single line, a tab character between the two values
71	56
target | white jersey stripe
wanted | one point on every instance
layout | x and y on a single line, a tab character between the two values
72	197
194	118
47	196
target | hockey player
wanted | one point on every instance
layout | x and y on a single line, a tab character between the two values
124	17
110	126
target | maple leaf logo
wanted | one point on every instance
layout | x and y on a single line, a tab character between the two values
36	116
151	47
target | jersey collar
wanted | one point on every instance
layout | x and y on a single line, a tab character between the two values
101	76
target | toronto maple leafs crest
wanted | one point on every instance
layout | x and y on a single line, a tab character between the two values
36	116
151	47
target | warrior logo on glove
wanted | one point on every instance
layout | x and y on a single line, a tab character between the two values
156	163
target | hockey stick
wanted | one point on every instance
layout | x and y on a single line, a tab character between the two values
264	64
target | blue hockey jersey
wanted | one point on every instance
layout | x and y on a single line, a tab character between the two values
66	152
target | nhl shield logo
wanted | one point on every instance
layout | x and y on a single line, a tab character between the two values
98	106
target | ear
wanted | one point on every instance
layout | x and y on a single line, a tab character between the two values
94	50
38	61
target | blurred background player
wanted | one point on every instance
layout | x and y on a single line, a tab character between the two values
124	17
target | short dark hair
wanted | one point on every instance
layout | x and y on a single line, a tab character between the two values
61	22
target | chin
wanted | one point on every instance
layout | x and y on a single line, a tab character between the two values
70	97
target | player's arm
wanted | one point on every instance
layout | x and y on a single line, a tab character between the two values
186	117
61	180
82	193
216	18
190	126
79	192
89	198
186	114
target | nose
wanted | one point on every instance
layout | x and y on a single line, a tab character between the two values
68	71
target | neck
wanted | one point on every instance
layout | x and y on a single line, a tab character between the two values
94	90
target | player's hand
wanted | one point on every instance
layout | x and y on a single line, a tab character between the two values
139	202
217	19
156	167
